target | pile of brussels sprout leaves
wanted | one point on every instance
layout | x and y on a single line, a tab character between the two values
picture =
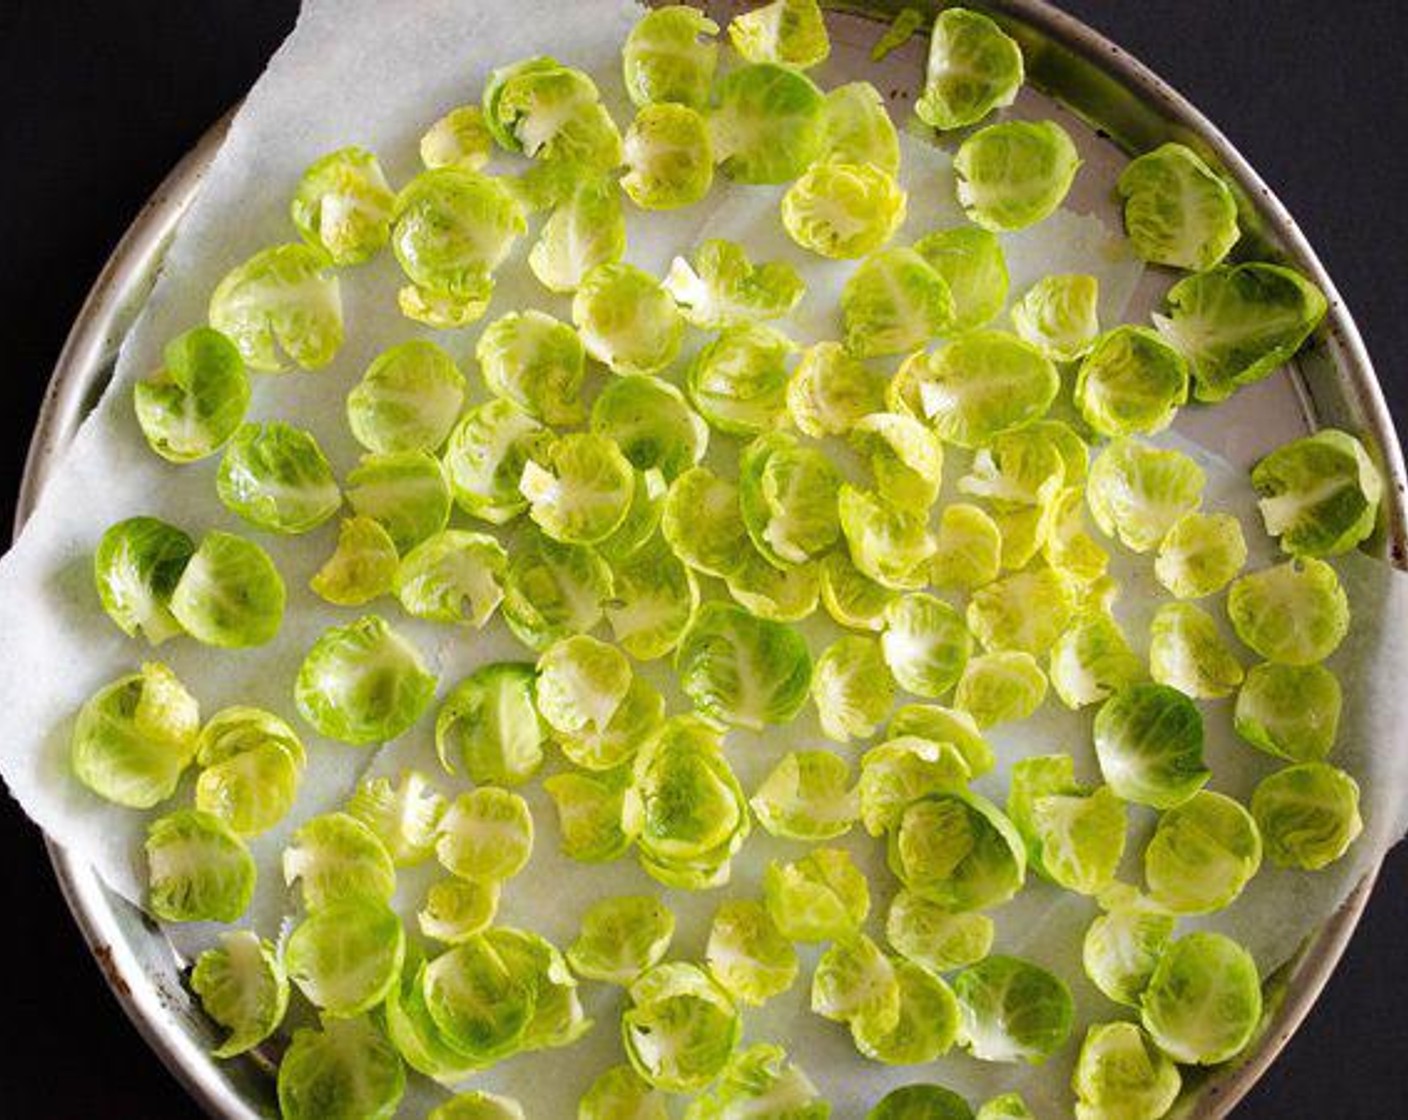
618	562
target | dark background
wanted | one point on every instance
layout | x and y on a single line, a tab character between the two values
99	100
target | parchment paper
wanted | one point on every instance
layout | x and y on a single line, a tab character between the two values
376	72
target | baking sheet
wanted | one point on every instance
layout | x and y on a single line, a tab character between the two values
376	72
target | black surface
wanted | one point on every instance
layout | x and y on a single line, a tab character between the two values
99	100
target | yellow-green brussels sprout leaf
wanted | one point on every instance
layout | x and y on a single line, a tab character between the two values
621	937
748	954
198	869
456	909
720	287
598	814
1187	651
1320	495
1131	381
761	1082
787	495
1139	492
925	1029
489	725
458	139
738	382
1092	659
485	457
1237	325
485	834
741	670
1308	815
821	897
968	547
957	849
852	599
334	857
579	488
1121	1072
935	938
925	643
404	815
552	113
1008	1106
585	230
1005	686
242	985
362	568
627	320
654	601
252	764
651	423
858	128
347	1070
830	391
669	160
136	569
945	725
904	456
189	407
276	477
1203	1003
454	576
1059	315
1013	175
680	1029
983	384
1177	211
1124	944
1026	612
407	492
408	399
852	688
907	23
363	683
894	302
974	68
1202	854
854	978
480	1000
452	229
621	1093
843	210
767	124
807	796
1200	554
346	956
1290	711
230	594
553	590
582	682
478	1106
921	1101
792	32
902	770
282	308
1012	1011
537	362
1295	613
971	262
888	543
670	56
343	206
1075	836
1149	741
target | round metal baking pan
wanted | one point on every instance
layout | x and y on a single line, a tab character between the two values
1068	61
